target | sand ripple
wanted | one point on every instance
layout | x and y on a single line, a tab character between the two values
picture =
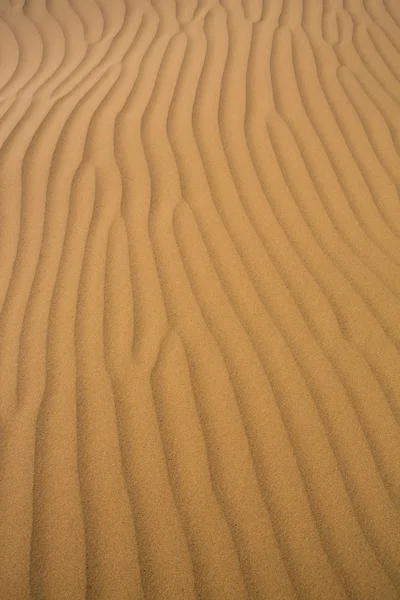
199	299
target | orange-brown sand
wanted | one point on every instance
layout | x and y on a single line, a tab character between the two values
200	299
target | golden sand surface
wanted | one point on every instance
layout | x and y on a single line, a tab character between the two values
200	299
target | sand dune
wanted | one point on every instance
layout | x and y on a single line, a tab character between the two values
200	299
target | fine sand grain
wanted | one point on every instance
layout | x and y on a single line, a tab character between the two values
199	299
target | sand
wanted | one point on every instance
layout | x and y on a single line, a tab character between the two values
200	299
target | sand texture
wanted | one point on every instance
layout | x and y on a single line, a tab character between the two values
199	299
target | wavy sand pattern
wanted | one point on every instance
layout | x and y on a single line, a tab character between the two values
200	299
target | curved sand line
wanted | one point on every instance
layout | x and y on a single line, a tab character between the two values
199	299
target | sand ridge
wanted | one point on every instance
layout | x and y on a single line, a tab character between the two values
199	299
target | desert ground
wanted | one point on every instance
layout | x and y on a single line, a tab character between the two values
199	299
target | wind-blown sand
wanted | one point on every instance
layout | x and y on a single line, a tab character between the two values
200	299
